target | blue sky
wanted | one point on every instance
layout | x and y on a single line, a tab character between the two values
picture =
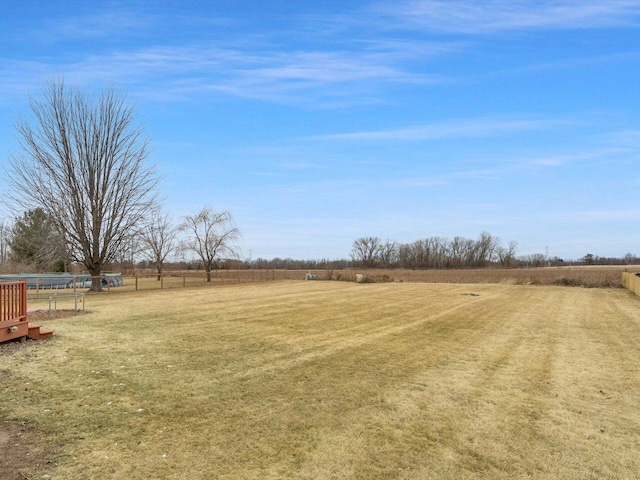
316	123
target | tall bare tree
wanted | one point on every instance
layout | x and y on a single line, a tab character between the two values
507	255
366	251
486	248
84	161
159	239
211	235
389	254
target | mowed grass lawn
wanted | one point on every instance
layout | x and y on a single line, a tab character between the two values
335	380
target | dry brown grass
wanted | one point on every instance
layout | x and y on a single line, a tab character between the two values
575	276
321	380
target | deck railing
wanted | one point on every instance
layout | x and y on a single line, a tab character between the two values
13	301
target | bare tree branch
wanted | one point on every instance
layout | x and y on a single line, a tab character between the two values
212	237
83	161
159	240
366	250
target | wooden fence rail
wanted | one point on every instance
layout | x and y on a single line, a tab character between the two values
631	281
151	281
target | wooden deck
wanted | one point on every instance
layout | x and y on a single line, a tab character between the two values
14	323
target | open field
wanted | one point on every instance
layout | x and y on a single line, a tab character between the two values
332	380
575	276
587	276
580	275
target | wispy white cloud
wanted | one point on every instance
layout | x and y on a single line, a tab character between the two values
357	58
174	72
626	138
345	63
20	77
489	173
299	166
589	216
468	128
119	19
490	16
575	63
562	160
98	25
497	168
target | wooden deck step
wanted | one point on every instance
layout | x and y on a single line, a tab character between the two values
38	333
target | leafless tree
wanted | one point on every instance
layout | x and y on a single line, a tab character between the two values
159	238
366	250
84	161
486	247
211	235
456	252
507	255
389	254
439	252
411	255
130	248
533	260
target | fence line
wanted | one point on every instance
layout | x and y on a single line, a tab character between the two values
631	281
153	281
181	279
171	279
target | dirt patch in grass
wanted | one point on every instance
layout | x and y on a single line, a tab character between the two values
43	315
22	450
9	348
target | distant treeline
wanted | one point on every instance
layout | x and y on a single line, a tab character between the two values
459	252
433	252
428	253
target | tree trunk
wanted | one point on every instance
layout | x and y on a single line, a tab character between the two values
96	279
208	275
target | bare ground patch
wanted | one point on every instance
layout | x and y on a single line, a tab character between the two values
43	315
23	451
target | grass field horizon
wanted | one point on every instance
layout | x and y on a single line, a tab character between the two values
320	380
